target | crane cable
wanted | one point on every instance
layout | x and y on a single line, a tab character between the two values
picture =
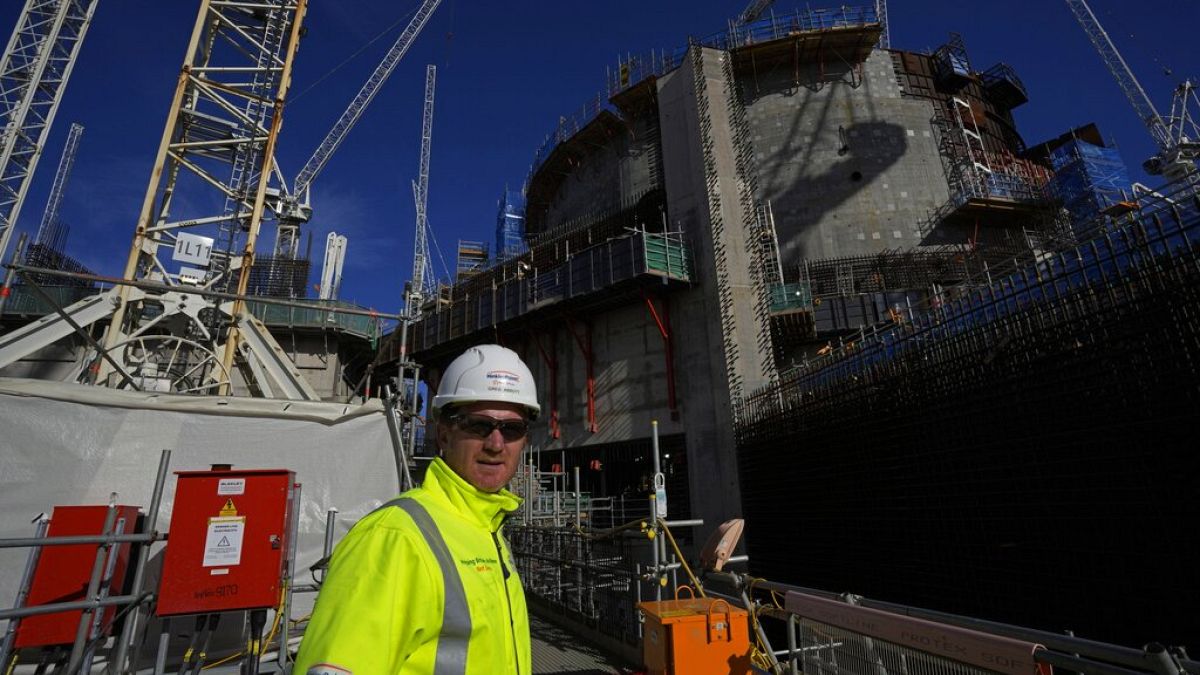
355	55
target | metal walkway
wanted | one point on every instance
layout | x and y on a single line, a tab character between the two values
559	652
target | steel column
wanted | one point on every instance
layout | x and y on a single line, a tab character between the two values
551	361
585	348
663	322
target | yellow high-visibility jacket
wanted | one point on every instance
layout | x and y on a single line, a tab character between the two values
398	600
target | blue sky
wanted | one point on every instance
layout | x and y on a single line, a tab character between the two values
507	70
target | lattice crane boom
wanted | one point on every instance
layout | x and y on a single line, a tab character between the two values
364	97
754	10
417	289
1120	70
34	71
885	36
54	201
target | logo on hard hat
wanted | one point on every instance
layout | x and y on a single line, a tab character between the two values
504	381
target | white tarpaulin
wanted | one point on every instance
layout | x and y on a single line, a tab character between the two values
74	444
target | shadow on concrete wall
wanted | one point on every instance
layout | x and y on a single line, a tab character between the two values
827	156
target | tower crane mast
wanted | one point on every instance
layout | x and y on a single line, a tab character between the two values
49	223
34	70
417	291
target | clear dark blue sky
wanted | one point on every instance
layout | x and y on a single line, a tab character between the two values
507	70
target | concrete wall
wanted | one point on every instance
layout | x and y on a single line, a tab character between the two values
606	177
59	362
722	304
320	357
849	170
630	379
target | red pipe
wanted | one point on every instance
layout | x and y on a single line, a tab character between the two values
552	366
664	329
585	346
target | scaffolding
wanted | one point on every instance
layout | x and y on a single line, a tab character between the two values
951	65
899	269
520	290
472	259
820	24
510	226
1089	180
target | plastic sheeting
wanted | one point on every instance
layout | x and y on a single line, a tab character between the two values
74	444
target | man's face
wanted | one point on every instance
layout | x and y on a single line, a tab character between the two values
488	462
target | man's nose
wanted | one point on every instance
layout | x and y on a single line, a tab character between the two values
494	441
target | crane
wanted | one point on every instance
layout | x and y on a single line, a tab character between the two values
237	53
294	208
34	71
1176	137
885	35
754	10
50	229
417	291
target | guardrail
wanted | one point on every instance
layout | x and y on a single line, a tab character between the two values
635	69
844	634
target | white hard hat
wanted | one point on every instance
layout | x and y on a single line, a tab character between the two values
487	373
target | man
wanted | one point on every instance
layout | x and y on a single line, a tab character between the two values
426	583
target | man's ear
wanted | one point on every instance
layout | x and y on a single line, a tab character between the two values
443	437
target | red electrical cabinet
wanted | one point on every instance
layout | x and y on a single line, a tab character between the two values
228	543
63	572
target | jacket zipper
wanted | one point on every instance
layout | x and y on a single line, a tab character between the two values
512	628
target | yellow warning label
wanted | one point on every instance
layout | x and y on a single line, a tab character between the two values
229	509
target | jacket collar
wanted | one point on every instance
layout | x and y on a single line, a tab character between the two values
487	509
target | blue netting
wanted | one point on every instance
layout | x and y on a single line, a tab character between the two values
1088	179
510	225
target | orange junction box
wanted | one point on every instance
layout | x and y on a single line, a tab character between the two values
695	636
63	572
228	543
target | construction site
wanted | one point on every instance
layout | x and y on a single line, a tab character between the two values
819	337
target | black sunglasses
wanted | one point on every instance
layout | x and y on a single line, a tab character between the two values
481	426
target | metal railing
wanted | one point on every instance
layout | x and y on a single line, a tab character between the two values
634	69
844	634
97	594
309	317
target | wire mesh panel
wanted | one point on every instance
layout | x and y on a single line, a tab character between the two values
591	579
829	650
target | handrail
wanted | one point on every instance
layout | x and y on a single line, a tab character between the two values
1078	654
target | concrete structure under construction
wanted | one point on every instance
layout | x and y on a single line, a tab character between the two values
719	213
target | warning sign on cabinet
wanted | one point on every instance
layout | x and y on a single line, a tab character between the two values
223	543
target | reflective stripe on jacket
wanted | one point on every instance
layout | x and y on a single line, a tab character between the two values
393	599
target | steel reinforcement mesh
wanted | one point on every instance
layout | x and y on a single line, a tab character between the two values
1026	453
48	257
